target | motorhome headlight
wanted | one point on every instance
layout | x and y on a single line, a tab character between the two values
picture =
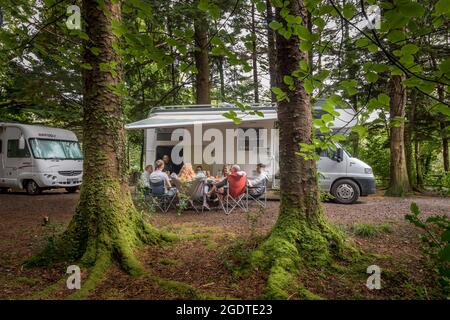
368	170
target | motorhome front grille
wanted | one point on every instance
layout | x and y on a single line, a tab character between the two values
70	173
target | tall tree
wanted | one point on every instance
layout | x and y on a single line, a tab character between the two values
254	57
399	181
202	85
106	225
301	233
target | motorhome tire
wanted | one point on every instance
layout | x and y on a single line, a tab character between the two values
3	190
72	189
345	191
32	188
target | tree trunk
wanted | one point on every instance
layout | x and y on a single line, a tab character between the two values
202	85
419	171
106	225
271	55
444	146
221	77
444	135
399	182
301	232
254	58
409	130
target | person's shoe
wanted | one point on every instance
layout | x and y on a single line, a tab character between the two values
205	205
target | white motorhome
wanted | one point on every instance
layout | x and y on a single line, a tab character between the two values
344	176
37	158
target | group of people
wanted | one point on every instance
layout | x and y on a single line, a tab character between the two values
215	189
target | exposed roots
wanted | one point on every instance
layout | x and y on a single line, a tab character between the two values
296	243
104	229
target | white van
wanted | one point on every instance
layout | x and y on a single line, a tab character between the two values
37	158
344	176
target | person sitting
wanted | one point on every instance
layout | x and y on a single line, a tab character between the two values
199	171
257	184
236	179
160	175
217	188
168	165
186	173
145	178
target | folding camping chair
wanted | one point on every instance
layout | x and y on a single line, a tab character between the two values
160	196
258	193
195	192
235	194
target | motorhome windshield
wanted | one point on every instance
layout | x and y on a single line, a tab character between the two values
55	149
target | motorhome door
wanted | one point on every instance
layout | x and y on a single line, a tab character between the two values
17	160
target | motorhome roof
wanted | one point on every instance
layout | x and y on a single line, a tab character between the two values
184	115
43	132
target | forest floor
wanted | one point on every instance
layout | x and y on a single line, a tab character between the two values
202	264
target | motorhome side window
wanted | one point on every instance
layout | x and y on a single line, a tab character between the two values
15	152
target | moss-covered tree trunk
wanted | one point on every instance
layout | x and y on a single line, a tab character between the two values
301	234
106	227
399	182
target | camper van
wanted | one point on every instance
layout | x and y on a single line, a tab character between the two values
36	158
344	176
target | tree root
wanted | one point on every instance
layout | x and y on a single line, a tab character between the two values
297	244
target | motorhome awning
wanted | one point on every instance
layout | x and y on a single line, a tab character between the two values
166	120
166	117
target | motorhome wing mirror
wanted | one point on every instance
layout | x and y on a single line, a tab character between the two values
21	143
339	154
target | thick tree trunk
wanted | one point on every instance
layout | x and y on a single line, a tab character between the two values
271	55
409	131
106	225
301	232
202	85
254	58
399	182
444	134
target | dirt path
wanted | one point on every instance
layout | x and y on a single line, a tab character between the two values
198	267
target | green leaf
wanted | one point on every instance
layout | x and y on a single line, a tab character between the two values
362	42
360	130
348	11
320	23
275	25
415	209
444	67
371	77
442	108
396	36
288	80
384	99
411	9
86	66
409	49
442	7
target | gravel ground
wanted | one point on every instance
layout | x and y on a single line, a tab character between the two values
198	260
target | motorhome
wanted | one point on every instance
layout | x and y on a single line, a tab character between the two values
36	158
175	130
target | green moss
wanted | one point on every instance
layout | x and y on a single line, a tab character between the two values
370	230
298	240
106	228
168	262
